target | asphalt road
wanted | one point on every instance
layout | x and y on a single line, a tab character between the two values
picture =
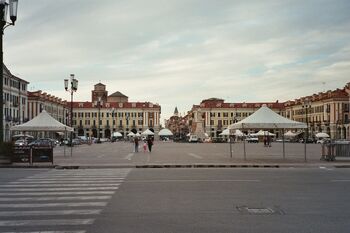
175	200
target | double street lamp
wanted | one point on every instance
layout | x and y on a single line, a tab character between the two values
99	103
72	88
10	5
306	105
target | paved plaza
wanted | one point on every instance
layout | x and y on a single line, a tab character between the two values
122	154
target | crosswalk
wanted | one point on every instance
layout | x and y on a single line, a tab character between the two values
57	201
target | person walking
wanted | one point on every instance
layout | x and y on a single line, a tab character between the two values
144	147
136	143
150	144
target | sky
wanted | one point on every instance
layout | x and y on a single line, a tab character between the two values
179	52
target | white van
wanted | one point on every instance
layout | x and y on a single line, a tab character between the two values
193	138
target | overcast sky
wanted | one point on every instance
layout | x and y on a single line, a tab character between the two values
179	52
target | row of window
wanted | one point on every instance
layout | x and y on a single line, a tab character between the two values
231	114
94	123
13	98
119	114
15	84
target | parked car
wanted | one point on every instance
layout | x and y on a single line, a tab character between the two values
323	140
193	138
21	142
309	140
218	140
42	142
252	140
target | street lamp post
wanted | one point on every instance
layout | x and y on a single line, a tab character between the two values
71	89
4	24
306	105
113	118
98	103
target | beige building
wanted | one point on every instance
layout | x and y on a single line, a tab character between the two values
213	115
116	115
325	112
56	107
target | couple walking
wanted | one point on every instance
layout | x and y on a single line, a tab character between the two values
147	143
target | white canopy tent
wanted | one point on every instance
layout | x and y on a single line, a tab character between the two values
262	133
321	135
42	122
131	134
137	134
265	118
147	132
238	133
165	132
226	132
290	134
117	134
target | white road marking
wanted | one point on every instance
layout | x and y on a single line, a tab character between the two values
47	232
100	156
63	182
56	189
195	156
340	180
52	222
155	181
48	212
129	156
71	179
41	205
58	193
55	185
83	198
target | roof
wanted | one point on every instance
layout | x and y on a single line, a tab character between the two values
117	94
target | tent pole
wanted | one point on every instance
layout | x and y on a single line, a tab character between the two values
64	143
245	155
284	150
305	146
230	138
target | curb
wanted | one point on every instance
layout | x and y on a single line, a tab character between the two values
207	166
63	167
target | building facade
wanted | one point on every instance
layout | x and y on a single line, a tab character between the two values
114	113
56	107
178	125
15	101
327	112
213	115
323	112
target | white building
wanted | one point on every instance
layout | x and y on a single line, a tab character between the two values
15	101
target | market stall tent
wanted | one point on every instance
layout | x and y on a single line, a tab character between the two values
42	122
265	118
165	132
147	132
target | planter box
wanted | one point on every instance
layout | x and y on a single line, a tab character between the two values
6	152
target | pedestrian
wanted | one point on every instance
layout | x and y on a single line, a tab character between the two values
150	144
265	140
136	143
144	147
268	141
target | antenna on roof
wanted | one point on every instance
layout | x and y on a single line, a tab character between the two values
324	83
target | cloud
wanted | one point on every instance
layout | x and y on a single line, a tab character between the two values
177	53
